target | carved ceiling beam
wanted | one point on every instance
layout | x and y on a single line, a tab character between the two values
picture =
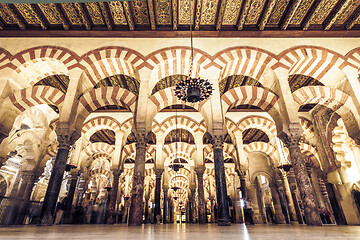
243	13
105	14
221	14
128	15
197	14
311	13
175	14
289	14
353	19
266	15
62	17
39	16
83	15
14	16
151	14
335	13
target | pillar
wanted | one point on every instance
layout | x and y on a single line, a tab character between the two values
293	190
220	180
137	204
282	197
57	173
73	178
113	197
279	216
290	202
291	140
157	212
166	207
201	195
253	195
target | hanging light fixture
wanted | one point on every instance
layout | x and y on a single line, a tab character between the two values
193	89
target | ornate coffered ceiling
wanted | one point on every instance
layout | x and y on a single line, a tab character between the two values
176	15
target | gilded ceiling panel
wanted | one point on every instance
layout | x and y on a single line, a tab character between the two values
6	16
50	12
95	13
301	12
163	12
27	13
323	11
347	12
278	11
117	12
208	12
72	13
140	11
186	9
255	10
232	11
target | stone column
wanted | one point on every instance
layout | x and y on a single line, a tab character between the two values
291	140
157	212
113	197
282	197
166	207
137	204
191	204
290	202
73	178
28	180
57	173
220	179
293	189
279	216
201	195
253	195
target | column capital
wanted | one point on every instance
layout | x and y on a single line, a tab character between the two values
217	141
117	172
199	171
141	140
158	172
291	138
66	139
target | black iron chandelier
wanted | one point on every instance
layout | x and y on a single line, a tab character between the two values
193	89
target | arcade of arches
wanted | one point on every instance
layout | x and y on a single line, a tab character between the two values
92	133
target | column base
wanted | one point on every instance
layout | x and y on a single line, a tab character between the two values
46	221
224	222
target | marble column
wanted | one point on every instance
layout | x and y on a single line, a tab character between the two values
220	180
192	204
212	204
137	204
57	173
28	180
293	189
253	196
146	213
165	210
72	178
113	197
288	196
291	140
282	199
201	195
157	212
279	216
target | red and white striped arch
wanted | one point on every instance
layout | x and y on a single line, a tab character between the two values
128	150
99	147
250	95
307	126
266	148
99	123
231	126
181	155
179	179
258	122
178	147
353	58
245	61
183	122
106	62
311	61
52	149
29	97
5	57
207	150
166	97
310	152
106	96
329	97
230	150
150	152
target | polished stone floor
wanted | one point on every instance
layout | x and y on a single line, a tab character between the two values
181	232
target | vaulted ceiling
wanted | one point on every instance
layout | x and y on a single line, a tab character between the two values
176	15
